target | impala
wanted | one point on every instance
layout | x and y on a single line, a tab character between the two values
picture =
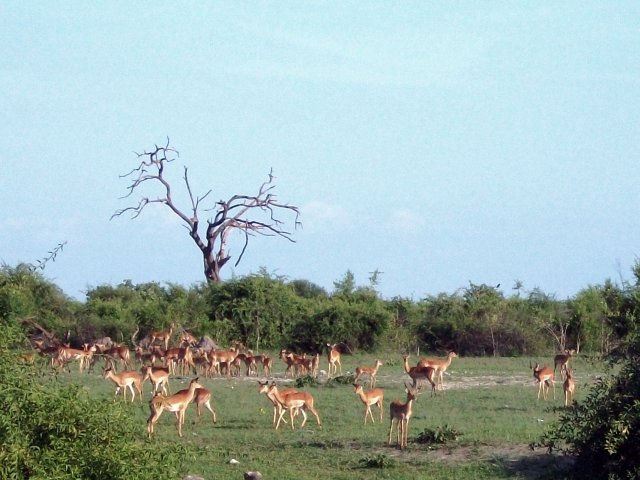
118	352
440	365
544	376
371	371
420	373
177	403
401	413
333	356
563	361
266	363
372	397
187	339
162	336
66	354
124	380
292	360
569	387
50	351
158	376
219	357
293	402
264	388
201	398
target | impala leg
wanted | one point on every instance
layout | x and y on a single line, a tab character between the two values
153	418
281	414
390	432
208	405
179	417
367	413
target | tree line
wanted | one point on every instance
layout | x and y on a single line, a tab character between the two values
265	311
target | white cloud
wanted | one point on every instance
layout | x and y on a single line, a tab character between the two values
407	221
318	215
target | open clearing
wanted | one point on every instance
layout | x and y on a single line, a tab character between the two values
490	402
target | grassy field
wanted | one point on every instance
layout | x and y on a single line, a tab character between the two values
490	403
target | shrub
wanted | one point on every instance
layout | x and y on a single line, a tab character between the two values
48	430
377	460
603	431
439	435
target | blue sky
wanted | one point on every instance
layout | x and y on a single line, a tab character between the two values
440	143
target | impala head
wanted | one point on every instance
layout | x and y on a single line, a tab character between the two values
379	363
453	355
194	383
264	387
107	371
358	387
412	393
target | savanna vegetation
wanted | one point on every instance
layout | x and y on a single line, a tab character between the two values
55	420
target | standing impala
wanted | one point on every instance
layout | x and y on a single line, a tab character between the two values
333	357
401	413
372	397
162	336
420	373
371	371
158	376
294	401
440	365
569	388
563	361
177	403
544	376
124	380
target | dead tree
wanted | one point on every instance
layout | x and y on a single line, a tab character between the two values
248	215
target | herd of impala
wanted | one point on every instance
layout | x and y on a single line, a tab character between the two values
186	357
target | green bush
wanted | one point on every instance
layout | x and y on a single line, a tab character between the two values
438	436
51	431
376	460
603	431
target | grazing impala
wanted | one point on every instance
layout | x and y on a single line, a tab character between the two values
569	388
264	388
563	361
294	401
202	398
401	413
420	373
124	380
544	376
177	403
372	397
440	365
371	371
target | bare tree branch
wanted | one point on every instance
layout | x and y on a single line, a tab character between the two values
235	214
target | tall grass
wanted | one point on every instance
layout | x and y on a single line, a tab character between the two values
490	402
